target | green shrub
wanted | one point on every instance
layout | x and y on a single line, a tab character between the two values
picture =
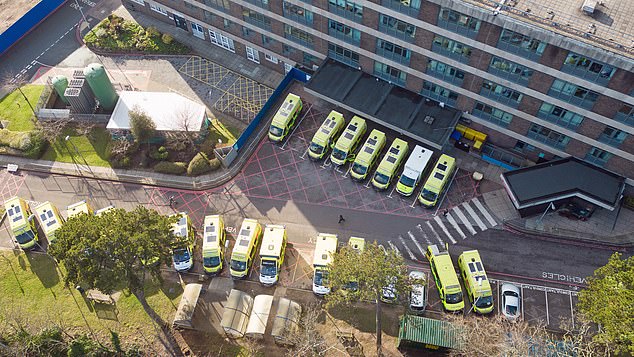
160	154
37	145
214	164
20	140
174	168
167	38
122	162
199	165
152	31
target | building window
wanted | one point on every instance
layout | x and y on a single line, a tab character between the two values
625	115
560	116
343	54
227	24
521	45
598	157
347	9
392	51
501	94
246	32
288	50
573	93
271	58
257	19
158	8
310	61
191	6
492	114
548	136
523	147
612	136
457	22
261	3
451	48
298	14
223	5
397	28
510	70
253	55
389	73
299	36
344	32
140	2
407	7
445	72
209	17
439	93
587	68
221	40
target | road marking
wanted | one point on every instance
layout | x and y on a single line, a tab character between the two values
455	225
547	316
389	242
475	217
486	213
464	220
435	233
413	238
444	229
420	228
409	251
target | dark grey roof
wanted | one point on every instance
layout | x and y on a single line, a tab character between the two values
385	103
554	180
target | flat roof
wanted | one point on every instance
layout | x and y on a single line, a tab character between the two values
563	178
168	111
613	27
375	99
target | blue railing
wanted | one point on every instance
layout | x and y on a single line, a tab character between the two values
293	74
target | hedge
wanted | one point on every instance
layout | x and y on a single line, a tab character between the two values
199	165
19	140
174	168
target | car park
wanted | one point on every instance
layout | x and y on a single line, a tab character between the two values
511	300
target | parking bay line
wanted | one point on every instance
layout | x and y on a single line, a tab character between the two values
475	216
464	219
444	229
485	213
455	225
297	126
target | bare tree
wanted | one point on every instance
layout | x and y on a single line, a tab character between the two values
580	338
186	123
51	130
307	341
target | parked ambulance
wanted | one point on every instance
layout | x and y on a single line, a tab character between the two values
213	244
272	253
285	117
326	135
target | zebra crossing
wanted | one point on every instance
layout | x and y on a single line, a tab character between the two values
460	222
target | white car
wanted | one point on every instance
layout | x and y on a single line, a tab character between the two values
418	294
511	300
388	293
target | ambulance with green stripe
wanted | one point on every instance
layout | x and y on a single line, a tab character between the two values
343	151
368	155
285	117
21	222
326	135
390	164
50	220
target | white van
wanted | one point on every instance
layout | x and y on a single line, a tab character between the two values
414	168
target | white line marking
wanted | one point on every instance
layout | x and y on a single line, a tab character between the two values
420	228
435	233
394	247
475	217
485	213
464	220
420	248
444	229
547	316
455	225
409	251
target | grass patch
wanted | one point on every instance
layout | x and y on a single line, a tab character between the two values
226	133
94	148
16	110
32	290
119	35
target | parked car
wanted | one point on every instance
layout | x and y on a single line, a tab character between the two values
576	211
388	293
511	300
418	295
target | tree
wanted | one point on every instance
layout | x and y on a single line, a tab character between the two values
371	269
608	301
185	122
307	341
109	252
141	125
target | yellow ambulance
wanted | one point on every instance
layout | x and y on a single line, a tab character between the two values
325	136
50	220
21	222
344	148
213	244
245	248
390	164
368	155
285	117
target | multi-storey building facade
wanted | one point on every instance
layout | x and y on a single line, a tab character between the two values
540	81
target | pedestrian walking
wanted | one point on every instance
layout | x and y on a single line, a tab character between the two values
445	212
341	219
172	201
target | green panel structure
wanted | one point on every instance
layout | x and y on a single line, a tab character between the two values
418	332
60	83
101	86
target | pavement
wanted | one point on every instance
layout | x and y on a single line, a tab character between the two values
604	228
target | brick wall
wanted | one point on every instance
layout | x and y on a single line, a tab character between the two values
429	12
590	128
622	81
553	56
540	82
621	166
577	148
489	33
